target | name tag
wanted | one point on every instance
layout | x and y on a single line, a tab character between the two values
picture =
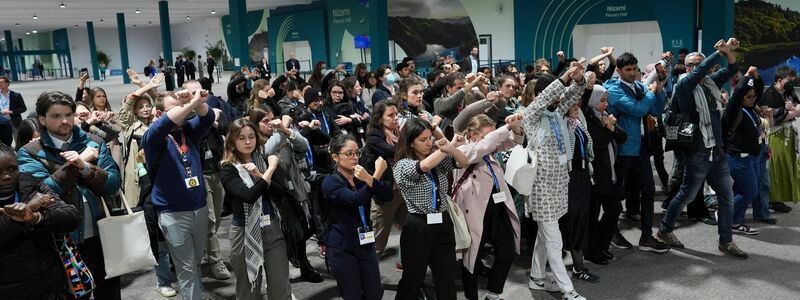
142	172
265	221
360	129
562	159
313	173
365	237
192	182
744	155
290	185
499	197
209	155
435	218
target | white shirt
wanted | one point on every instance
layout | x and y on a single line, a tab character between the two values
474	61
5	103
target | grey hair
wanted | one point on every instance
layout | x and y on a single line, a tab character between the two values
695	54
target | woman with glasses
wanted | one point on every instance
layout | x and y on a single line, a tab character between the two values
346	117
428	239
349	236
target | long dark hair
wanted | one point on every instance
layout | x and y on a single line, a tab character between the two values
316	74
411	130
376	118
329	99
349	85
25	132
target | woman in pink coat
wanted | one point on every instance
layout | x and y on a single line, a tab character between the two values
482	194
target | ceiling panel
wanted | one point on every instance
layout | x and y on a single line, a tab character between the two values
78	12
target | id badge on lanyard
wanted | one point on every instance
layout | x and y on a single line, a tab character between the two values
365	233
433	218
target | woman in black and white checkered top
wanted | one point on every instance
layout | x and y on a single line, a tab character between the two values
427	239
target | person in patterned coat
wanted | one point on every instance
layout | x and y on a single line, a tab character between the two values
549	143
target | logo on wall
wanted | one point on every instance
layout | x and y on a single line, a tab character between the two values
677	43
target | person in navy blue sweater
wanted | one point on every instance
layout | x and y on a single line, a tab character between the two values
172	148
349	236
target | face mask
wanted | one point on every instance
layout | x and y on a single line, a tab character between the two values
390	79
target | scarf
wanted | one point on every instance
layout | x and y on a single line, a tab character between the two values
391	136
701	102
597	92
254	247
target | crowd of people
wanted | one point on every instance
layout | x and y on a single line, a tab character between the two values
344	157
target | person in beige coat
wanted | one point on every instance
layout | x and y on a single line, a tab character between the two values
482	193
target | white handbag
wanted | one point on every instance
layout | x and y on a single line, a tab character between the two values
460	229
521	170
125	241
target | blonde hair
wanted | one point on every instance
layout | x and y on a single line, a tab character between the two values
254	100
477	122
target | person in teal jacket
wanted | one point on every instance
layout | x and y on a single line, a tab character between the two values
630	100
79	168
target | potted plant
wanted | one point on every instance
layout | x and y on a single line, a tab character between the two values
103	58
218	52
188	53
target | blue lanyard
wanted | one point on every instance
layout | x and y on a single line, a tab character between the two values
16	197
756	125
579	133
557	133
433	190
309	156
363	218
324	119
494	177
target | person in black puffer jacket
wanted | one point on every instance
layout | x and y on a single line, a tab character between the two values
29	220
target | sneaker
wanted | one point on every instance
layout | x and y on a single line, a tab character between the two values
607	254
585	276
620	242
708	221
398	266
651	244
670	239
780	207
769	221
543	284
308	274
744	229
220	271
732	250
167	291
572	295
597	260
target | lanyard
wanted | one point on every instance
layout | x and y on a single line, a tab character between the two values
491	170
325	120
433	190
557	133
756	125
579	133
16	197
309	156
183	151
363	218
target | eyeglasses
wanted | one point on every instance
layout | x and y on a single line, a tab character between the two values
351	154
692	65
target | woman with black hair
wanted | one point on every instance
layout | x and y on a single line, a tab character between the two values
352	94
384	88
347	117
428	239
369	87
315	80
27	131
291	103
349	237
29	219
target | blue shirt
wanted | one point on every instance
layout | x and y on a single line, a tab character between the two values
170	193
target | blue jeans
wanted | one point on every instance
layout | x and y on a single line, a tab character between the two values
163	274
702	166
744	171
761	203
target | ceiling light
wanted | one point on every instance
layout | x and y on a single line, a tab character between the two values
16	24
35	31
188	17
76	25
35	17
213	12
62	5
28	33
138	11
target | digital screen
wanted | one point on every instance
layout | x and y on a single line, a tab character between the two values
361	41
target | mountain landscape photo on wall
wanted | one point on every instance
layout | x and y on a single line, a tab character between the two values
426	29
770	34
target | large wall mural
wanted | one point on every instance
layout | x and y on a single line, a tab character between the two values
770	34
425	29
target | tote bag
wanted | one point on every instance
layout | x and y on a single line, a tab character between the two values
460	229
521	170
125	241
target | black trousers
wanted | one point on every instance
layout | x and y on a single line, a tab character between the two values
211	73
7	133
601	231
657	151
92	253
498	231
427	245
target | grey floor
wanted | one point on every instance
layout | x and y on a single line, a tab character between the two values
700	271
